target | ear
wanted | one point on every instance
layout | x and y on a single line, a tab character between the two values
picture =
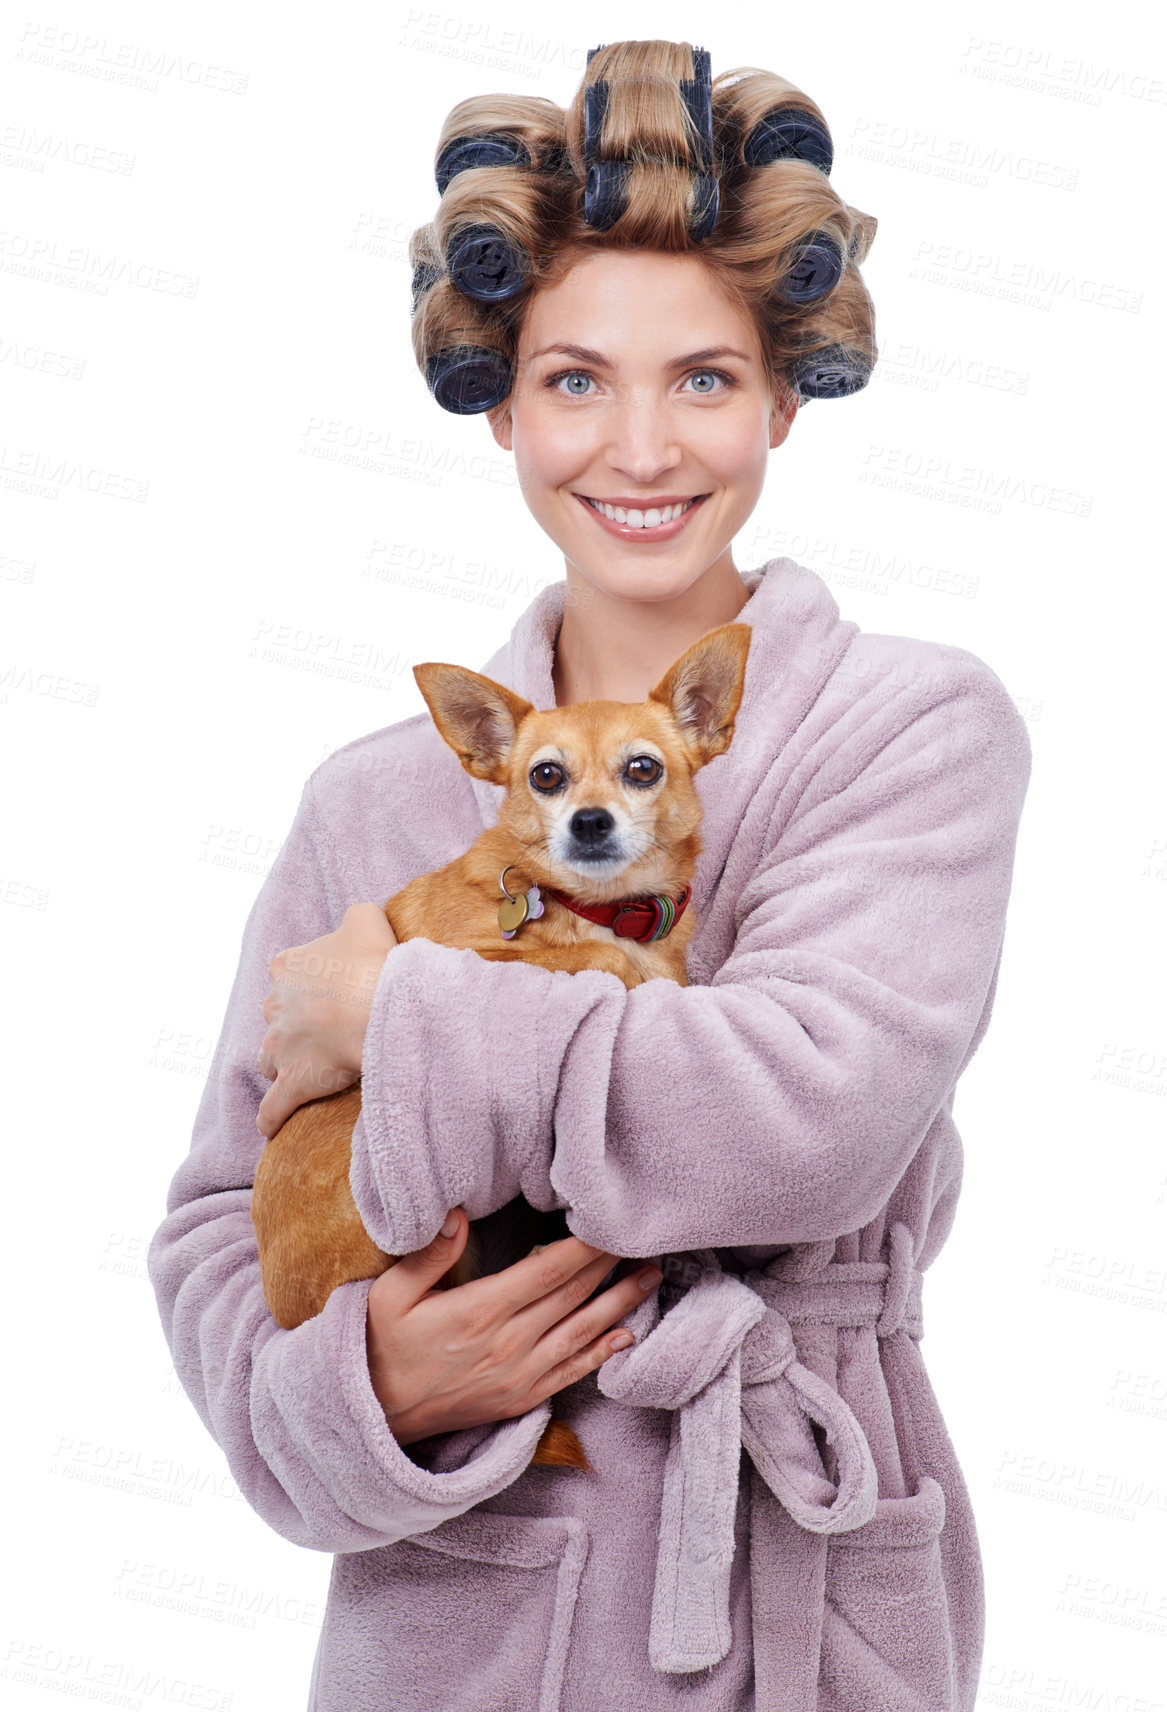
703	689
785	409
478	718
500	424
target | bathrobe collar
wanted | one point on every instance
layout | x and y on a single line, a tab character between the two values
797	642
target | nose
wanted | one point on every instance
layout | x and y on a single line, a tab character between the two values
643	442
591	825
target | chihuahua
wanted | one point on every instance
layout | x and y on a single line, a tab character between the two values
599	834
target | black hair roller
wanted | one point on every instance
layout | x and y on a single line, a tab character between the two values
605	193
481	260
815	271
697	93
789	133
490	148
466	379
833	371
485	265
606	186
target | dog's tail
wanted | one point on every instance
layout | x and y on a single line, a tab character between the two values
558	1447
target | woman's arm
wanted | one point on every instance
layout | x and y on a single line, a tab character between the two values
295	1412
783	1101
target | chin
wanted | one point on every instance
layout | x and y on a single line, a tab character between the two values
633	579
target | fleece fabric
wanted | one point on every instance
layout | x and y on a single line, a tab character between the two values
776	1517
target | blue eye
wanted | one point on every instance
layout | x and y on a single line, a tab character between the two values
571	375
578	383
708	375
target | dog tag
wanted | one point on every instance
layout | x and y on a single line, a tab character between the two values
513	912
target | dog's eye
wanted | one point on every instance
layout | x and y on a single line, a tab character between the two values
547	776
644	770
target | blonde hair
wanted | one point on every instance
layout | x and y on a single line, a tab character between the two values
651	154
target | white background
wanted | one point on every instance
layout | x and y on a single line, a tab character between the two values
205	308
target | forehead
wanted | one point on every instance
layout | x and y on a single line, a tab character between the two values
625	301
599	732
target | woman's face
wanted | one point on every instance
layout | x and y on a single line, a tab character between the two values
641	389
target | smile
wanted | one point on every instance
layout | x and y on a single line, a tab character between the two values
656	522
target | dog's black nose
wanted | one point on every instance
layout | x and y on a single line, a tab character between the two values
591	825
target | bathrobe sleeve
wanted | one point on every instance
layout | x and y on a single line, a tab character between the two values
783	1100
294	1412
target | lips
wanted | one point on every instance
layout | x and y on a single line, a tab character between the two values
636	523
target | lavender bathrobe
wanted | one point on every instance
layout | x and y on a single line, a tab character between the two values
776	1518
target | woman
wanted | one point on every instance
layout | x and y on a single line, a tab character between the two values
640	293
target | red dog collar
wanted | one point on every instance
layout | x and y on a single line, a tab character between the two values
643	919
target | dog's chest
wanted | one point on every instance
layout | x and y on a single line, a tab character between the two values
652	962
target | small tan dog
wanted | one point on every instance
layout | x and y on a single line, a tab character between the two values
601	822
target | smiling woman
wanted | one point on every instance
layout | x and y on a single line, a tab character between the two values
698	311
643	443
640	292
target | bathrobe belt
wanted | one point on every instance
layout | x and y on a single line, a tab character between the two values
723	1358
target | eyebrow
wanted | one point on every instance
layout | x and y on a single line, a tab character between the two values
587	355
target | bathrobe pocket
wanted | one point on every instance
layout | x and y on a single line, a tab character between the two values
887	1640
473	1616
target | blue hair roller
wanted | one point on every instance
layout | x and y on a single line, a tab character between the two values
606	185
595	105
816	270
605	193
466	379
789	133
833	371
697	92
485	264
490	148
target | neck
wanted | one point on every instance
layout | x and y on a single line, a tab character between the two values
614	648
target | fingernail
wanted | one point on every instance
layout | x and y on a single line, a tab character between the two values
451	1224
621	1340
650	1279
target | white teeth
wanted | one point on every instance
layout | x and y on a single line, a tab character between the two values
650	519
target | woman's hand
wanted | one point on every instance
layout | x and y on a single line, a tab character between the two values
483	1352
318	1012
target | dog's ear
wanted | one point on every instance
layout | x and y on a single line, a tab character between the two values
703	689
477	717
